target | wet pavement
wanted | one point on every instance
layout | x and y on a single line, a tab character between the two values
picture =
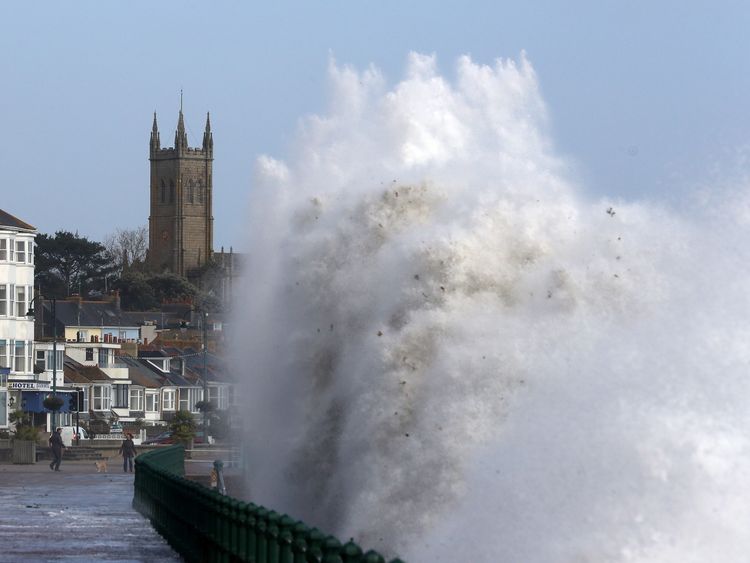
74	515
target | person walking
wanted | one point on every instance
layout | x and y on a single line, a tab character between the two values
56	445
127	450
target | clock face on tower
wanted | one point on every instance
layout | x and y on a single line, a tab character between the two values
164	235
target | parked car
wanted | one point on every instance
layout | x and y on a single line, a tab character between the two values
115	428
68	434
166	438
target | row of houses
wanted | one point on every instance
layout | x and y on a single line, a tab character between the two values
127	366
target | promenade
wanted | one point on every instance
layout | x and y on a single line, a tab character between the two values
75	515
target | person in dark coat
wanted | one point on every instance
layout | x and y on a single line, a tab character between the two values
127	450
56	445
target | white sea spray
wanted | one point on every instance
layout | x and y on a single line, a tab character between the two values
451	354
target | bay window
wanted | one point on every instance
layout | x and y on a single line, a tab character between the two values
168	399
21	251
188	398
152	402
136	399
102	397
19	365
3	299
217	396
4	351
21	301
121	396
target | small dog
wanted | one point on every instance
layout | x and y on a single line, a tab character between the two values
101	465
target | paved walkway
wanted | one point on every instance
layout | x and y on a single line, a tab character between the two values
74	515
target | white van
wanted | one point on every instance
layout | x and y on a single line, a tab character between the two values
69	432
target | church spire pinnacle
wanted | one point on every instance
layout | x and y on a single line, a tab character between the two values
155	143
208	138
180	137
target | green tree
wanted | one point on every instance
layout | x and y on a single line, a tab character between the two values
67	263
171	287
136	293
141	292
183	427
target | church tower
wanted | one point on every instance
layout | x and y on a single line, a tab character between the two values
180	225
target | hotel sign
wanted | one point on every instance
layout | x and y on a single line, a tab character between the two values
29	385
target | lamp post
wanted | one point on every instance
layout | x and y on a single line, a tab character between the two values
30	313
204	345
204	317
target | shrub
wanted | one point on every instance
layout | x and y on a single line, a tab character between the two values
183	426
26	432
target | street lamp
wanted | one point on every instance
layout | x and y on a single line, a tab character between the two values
30	313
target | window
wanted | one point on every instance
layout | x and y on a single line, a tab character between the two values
163	192
21	251
85	399
136	399
102	397
168	399
20	362
21	301
188	398
40	363
89	354
152	402
4	349
31	252
121	396
3	248
171	191
3	299
104	357
191	192
218	397
200	192
45	357
3	408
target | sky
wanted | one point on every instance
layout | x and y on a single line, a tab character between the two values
646	100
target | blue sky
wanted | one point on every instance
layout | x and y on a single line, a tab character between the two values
647	99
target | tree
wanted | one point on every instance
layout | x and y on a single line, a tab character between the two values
171	287
183	427
67	263
128	247
141	292
136	294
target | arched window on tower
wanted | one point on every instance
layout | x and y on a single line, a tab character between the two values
163	192
200	192
191	192
171	191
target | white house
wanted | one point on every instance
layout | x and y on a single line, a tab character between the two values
16	329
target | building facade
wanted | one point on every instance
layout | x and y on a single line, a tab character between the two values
16	328
181	220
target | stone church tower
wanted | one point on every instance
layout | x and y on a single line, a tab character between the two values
180	225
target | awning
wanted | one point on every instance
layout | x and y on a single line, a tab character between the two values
33	401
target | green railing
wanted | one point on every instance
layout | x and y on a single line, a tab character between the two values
205	526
